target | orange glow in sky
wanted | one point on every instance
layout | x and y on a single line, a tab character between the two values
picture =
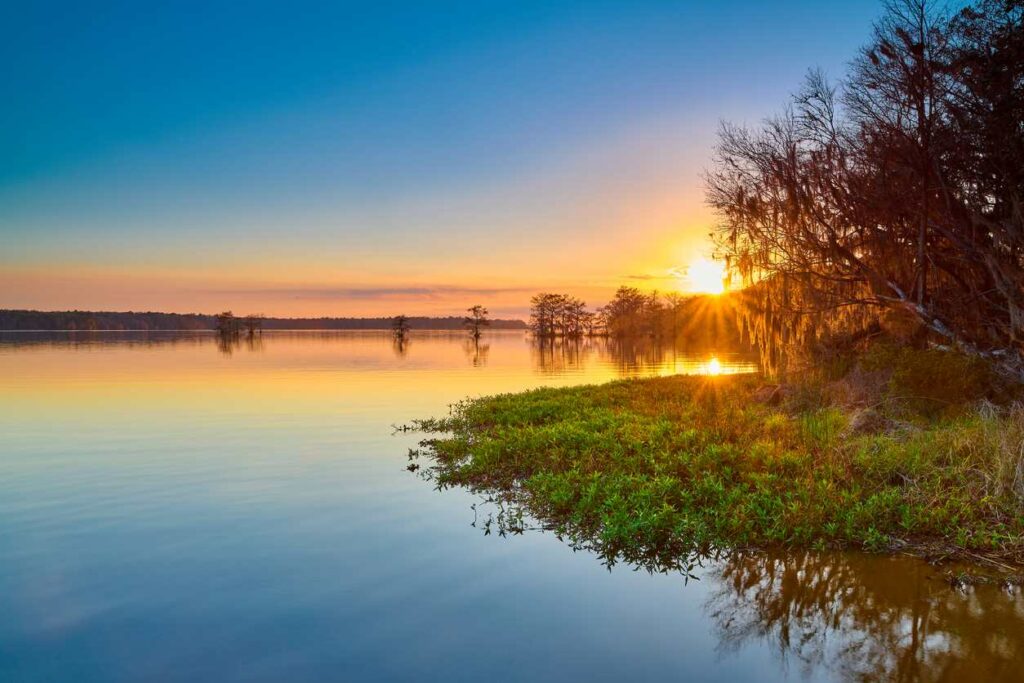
385	165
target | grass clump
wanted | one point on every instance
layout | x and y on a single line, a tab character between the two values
931	382
654	470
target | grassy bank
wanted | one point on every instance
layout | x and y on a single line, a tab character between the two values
652	471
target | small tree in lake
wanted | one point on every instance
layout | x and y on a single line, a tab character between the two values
476	320
400	326
560	315
575	317
625	315
253	324
542	314
227	324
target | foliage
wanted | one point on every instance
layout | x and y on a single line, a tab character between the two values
899	192
560	315
631	311
662	468
932	381
697	320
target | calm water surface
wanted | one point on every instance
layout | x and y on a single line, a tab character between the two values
174	509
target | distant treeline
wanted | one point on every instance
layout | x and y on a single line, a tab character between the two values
93	320
415	323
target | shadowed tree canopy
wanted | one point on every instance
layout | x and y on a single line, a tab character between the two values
894	197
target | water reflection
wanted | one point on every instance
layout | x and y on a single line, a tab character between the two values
400	345
867	618
476	351
841	615
552	357
173	513
555	356
636	357
87	340
228	344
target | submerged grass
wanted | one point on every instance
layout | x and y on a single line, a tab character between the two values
663	468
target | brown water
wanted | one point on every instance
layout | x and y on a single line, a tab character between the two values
172	508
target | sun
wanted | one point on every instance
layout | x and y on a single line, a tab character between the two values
705	276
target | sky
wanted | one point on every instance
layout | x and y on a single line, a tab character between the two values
378	158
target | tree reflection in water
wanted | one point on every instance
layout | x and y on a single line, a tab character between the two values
631	356
838	615
476	351
628	356
556	355
868	618
227	344
400	345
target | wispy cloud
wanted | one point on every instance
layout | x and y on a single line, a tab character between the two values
647	277
675	273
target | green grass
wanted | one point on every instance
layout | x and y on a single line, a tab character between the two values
653	471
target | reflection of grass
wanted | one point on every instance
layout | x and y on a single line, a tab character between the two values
671	465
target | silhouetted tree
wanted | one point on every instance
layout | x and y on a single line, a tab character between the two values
897	195
576	318
699	321
400	327
545	311
624	314
476	320
228	325
253	324
560	315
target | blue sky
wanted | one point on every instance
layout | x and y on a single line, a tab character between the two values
357	158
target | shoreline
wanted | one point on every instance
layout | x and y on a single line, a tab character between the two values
659	469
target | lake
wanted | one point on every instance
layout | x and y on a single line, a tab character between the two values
173	508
